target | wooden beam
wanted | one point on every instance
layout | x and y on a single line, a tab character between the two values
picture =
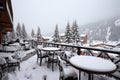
9	12
5	22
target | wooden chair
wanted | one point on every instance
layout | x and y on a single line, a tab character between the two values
12	64
65	58
41	55
3	65
66	73
52	59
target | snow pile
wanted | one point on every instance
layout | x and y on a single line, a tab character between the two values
117	22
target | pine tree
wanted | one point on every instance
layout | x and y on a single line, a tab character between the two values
13	35
75	34
56	34
8	37
68	34
32	33
39	36
18	31
24	33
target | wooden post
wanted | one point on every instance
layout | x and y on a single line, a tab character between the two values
79	51
1	37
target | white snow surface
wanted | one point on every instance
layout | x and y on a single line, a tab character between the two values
2	54
96	42
83	35
30	70
112	43
93	63
50	49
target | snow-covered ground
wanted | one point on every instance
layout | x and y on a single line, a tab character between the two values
30	70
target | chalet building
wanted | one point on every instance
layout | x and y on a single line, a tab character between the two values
62	37
44	39
39	39
83	38
47	39
96	44
6	18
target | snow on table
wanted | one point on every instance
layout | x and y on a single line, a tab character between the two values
50	49
93	64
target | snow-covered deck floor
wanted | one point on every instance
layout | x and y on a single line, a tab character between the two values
30	70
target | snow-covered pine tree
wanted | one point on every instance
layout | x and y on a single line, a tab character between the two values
75	34
7	37
24	33
68	37
39	36
56	34
10	37
32	33
18	31
13	35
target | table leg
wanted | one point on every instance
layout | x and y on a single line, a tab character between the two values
53	62
79	75
52	66
90	76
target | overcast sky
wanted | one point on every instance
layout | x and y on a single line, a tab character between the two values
47	13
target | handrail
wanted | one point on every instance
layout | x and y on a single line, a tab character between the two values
82	47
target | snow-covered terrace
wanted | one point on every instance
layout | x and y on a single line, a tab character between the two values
30	70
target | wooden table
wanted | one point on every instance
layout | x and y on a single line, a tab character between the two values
92	65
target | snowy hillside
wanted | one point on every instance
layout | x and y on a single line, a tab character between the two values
104	30
117	22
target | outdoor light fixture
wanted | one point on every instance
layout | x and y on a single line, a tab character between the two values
1	8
